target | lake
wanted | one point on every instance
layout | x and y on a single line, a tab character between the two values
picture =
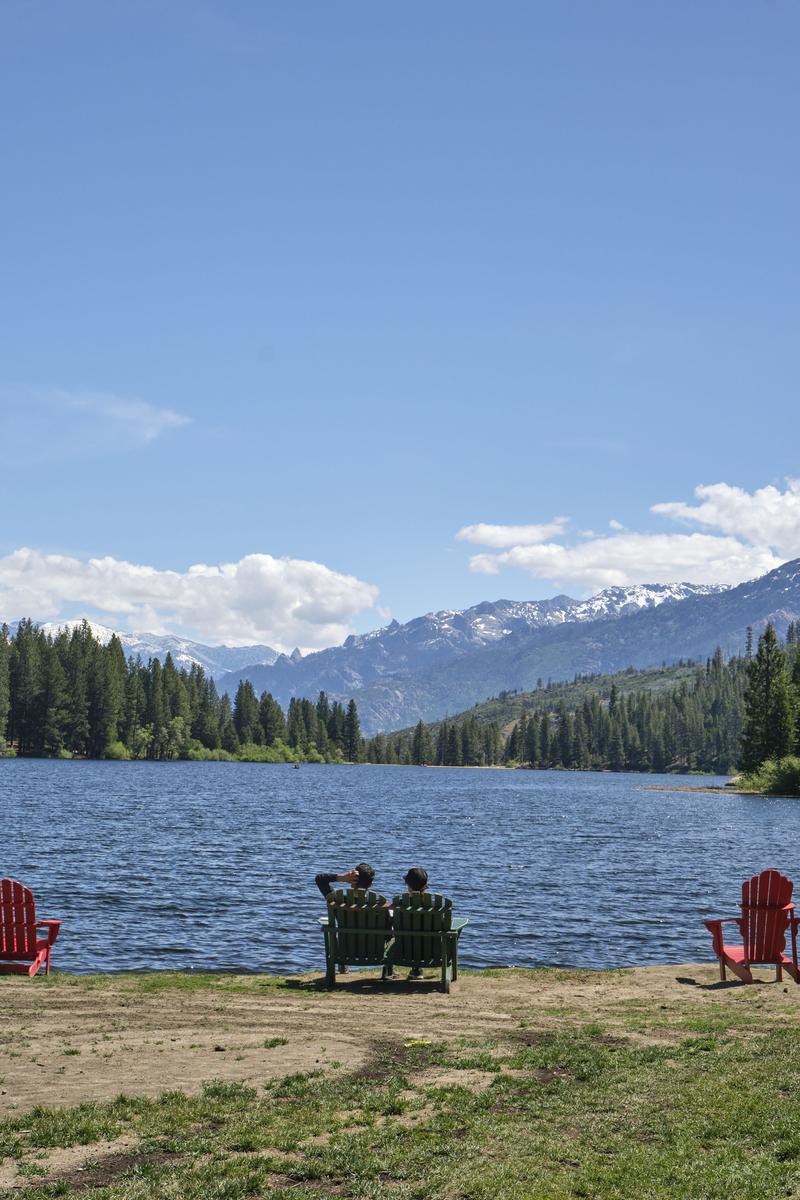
211	865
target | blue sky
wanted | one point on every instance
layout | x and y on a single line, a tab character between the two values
329	283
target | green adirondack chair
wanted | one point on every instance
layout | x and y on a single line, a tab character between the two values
356	930
425	934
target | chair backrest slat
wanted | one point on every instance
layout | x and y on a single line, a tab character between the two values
416	918
363	922
17	921
764	918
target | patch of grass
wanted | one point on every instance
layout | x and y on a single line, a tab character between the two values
572	1112
271	1043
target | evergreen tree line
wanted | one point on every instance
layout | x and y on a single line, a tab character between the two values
727	716
465	742
69	695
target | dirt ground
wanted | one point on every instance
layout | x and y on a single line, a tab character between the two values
61	1045
70	1041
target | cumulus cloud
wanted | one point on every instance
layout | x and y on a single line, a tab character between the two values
744	535
511	535
636	558
766	517
285	602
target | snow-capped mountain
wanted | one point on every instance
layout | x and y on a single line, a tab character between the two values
433	641
215	660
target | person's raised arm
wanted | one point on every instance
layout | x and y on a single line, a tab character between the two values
325	882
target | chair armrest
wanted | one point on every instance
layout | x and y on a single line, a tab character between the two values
52	928
324	922
459	924
715	929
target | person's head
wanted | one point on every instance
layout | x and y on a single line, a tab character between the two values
366	874
416	879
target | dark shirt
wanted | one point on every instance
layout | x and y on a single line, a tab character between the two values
326	883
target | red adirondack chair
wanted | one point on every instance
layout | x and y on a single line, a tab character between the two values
767	912
22	950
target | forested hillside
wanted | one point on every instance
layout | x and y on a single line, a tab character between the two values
69	695
693	717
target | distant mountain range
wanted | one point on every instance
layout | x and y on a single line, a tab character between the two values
393	672
442	663
215	660
445	662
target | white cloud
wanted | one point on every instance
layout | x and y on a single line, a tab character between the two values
628	558
282	601
511	535
56	424
133	418
766	517
744	535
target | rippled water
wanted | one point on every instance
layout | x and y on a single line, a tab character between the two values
211	865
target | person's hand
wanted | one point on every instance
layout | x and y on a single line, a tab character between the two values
350	876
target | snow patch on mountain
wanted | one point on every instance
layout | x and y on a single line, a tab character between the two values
490	621
215	660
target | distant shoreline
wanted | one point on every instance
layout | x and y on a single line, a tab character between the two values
292	764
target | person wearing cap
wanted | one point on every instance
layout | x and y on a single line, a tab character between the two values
360	876
416	880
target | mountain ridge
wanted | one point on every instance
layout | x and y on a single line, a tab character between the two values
392	657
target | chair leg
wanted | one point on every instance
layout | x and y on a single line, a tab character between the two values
330	962
445	965
455	958
722	970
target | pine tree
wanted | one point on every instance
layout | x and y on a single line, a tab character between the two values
421	752
5	685
442	738
352	734
544	740
53	705
246	715
530	752
768	730
453	747
25	674
616	752
272	720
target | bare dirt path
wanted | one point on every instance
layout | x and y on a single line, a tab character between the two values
65	1041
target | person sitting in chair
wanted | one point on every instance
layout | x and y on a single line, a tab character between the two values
357	877
360	876
416	880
